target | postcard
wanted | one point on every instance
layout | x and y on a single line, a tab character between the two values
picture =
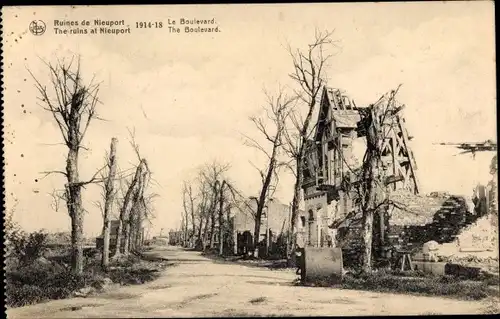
250	160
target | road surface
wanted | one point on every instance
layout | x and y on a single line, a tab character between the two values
199	287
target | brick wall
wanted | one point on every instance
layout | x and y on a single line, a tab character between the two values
443	227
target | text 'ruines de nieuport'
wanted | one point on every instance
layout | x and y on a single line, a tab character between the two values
96	26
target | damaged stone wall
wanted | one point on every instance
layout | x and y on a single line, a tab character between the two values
453	215
420	219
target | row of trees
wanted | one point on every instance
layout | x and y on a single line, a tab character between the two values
134	204
207	203
285	129
73	106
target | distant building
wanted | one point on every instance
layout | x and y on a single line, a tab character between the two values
275	223
113	236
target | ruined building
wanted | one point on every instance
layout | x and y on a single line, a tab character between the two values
332	163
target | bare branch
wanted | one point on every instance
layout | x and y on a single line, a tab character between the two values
94	178
133	143
57	196
47	173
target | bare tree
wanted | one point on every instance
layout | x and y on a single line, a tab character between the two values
309	74
211	174
73	107
277	111
109	194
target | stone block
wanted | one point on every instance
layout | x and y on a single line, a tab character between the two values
435	268
322	263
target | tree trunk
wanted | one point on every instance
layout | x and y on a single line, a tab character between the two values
205	233
288	249
213	208
134	232
139	213
193	236
126	241
75	209
372	180
295	211
186	231
139	240
106	235
221	219
256	233
183	228
199	237
108	204
119	236
262	198
77	244
368	214
367	240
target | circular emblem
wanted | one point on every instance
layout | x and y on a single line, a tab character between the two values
37	27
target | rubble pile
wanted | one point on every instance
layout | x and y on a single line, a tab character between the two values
474	246
482	234
487	264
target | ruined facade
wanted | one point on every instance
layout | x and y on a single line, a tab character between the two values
335	155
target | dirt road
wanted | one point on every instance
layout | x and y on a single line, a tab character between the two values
199	287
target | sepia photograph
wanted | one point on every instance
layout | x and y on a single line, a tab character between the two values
250	160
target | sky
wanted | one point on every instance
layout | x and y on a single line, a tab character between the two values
189	96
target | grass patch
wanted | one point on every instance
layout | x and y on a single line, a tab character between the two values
413	283
43	280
